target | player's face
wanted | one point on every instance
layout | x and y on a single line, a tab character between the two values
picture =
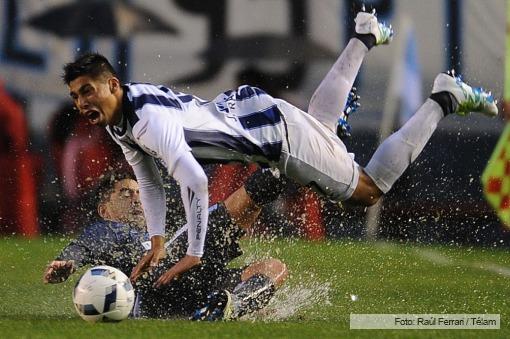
97	100
124	204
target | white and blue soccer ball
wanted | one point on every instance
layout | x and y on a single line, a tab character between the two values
103	293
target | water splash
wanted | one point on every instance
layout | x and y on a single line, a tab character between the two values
291	299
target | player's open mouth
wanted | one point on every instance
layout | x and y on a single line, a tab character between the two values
92	116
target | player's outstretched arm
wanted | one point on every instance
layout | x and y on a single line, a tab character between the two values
152	195
195	197
85	249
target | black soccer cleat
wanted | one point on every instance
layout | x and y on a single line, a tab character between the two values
219	306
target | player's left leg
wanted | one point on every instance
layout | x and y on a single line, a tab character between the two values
241	208
449	95
259	282
314	157
330	97
261	188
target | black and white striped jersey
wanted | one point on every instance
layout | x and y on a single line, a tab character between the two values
243	124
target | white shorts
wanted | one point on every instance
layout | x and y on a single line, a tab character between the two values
314	156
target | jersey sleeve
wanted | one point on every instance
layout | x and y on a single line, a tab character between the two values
195	198
152	194
161	133
88	247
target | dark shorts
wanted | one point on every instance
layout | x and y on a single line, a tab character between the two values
182	296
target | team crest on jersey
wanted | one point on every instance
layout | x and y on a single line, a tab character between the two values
227	103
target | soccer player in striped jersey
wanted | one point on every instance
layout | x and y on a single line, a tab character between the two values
247	124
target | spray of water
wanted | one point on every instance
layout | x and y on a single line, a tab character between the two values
292	299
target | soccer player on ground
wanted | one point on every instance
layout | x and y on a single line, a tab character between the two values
119	239
246	124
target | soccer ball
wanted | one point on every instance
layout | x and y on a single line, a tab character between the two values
103	293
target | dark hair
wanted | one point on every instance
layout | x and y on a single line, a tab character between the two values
106	183
100	192
92	64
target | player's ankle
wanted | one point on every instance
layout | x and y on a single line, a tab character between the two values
368	40
446	100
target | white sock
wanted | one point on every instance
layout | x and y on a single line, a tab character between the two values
397	152
329	99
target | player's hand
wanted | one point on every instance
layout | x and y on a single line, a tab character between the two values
58	271
180	267
151	258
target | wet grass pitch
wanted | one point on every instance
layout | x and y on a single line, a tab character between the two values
328	282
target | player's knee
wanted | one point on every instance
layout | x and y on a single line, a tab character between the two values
372	200
279	271
263	187
366	193
372	196
273	268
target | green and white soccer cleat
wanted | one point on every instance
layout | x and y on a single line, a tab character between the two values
469	99
367	23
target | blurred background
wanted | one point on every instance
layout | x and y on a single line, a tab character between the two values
50	160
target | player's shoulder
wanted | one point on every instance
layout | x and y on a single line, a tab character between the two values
244	95
93	232
101	228
145	96
144	88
